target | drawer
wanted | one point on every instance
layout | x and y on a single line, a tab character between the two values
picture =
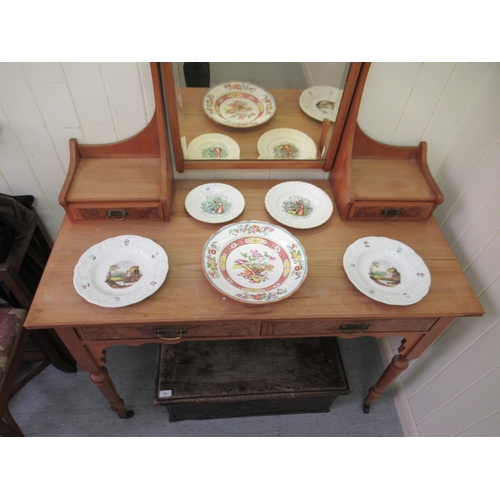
349	326
391	210
173	331
116	211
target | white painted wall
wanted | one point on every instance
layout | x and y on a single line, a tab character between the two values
452	390
43	105
455	107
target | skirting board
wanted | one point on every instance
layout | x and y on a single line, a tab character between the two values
398	393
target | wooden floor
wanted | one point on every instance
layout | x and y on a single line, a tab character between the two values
61	404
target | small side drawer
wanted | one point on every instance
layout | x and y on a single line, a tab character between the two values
116	211
393	210
172	331
349	326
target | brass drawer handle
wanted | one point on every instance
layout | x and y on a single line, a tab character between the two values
354	328
170	333
117	214
391	213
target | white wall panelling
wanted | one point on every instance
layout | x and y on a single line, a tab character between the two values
452	389
405	103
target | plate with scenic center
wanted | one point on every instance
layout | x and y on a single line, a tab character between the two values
298	204
321	102
120	271
387	270
254	262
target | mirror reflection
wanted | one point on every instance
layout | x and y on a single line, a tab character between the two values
257	111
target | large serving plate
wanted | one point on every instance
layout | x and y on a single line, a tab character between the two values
120	271
239	104
214	203
255	262
286	144
387	270
321	102
298	204
213	147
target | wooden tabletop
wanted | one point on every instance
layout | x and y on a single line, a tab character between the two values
186	295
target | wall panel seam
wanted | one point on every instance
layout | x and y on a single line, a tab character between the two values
467	184
464	116
474	259
75	107
396	128
431	117
30	166
480	207
110	106
143	92
458	394
438	373
457	434
46	126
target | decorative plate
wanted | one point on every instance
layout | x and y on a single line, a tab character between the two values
120	271
286	144
215	203
298	204
321	102
255	262
213	147
239	104
387	270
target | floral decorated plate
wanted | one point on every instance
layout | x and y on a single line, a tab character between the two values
239	104
213	147
215	203
298	204
255	262
321	102
387	270
286	144
120	271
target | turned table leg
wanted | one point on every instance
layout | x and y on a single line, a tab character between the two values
92	359
104	383
398	364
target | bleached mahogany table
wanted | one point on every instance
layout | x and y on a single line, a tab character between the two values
188	308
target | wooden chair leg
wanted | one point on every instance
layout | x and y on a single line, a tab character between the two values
9	427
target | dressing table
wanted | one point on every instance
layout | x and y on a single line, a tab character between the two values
188	308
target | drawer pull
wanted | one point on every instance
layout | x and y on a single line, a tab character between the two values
117	214
170	333
391	213
354	328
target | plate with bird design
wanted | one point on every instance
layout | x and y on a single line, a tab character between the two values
254	262
298	204
387	270
120	271
286	144
214	203
239	104
213	147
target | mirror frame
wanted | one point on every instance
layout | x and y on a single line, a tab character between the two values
326	163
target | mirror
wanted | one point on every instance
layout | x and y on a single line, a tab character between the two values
257	115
